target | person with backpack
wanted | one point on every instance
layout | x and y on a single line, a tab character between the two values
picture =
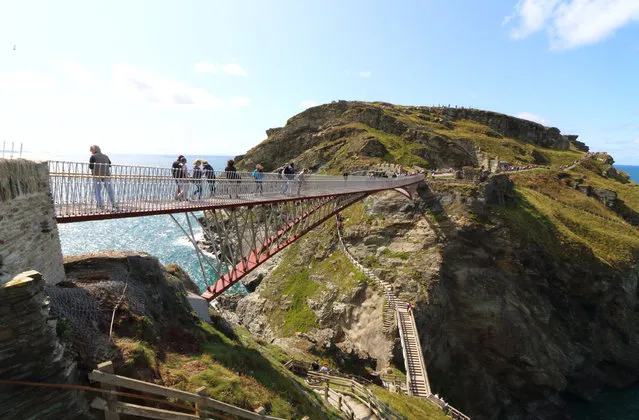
289	175
234	178
258	175
180	173
209	175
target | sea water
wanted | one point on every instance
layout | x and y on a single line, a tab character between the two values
159	236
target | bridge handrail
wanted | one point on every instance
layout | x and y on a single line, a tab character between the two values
76	191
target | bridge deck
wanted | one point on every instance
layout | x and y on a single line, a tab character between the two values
131	191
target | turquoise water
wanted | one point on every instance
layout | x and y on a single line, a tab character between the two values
156	235
613	404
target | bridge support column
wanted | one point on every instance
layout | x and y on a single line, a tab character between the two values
29	237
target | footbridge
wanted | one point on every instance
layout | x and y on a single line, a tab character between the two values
247	220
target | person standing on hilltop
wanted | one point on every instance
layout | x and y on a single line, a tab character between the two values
100	167
180	173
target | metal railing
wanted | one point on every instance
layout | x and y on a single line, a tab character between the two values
135	190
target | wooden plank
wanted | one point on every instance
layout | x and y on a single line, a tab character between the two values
150	388
141	411
110	412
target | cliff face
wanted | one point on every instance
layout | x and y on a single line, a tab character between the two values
525	288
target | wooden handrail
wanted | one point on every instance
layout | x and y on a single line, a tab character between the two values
203	402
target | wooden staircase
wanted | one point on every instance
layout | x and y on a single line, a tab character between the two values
396	314
416	377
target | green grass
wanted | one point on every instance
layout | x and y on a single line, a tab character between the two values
240	372
299	317
401	151
569	233
296	280
492	144
548	182
411	407
391	254
628	192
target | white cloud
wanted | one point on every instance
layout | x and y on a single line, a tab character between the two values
26	80
76	70
307	104
161	90
531	117
365	73
533	14
572	23
234	69
239	101
205	67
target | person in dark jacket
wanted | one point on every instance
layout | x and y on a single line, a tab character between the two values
209	175
180	173
100	167
231	174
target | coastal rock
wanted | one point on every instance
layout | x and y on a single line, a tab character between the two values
252	281
606	196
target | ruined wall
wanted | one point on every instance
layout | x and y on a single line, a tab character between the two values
30	351
28	231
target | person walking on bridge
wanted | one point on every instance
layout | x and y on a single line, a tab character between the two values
180	173
209	175
234	178
100	167
196	178
258	174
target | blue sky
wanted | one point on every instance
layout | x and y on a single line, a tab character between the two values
210	77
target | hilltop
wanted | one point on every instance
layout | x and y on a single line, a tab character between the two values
521	301
356	135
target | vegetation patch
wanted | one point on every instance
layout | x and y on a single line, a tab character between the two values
312	268
240	372
569	233
410	407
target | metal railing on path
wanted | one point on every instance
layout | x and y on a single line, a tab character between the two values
116	191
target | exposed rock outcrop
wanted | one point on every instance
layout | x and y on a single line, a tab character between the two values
352	135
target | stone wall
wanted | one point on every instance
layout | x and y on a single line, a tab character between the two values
28	231
30	351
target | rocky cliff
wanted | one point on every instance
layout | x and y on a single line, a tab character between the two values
525	286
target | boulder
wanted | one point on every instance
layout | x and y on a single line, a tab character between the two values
251	282
608	197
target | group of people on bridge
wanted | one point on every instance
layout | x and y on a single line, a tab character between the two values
199	181
203	173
